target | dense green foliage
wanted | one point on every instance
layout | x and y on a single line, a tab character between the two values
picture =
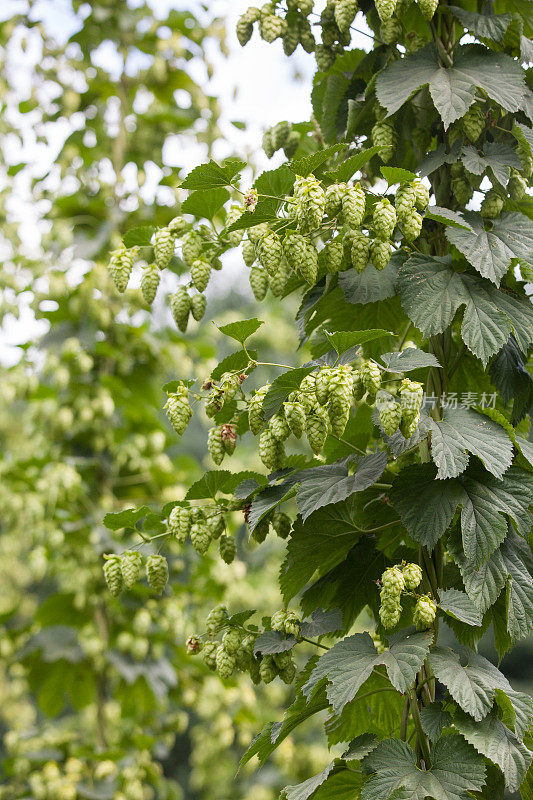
411	499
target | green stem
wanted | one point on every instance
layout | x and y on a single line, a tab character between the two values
420	735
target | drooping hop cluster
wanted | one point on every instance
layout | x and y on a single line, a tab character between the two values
121	265
222	392
178	409
280	137
392	586
124	571
279	521
424	613
411	397
411	196
203	525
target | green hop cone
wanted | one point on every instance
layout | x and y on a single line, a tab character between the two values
317	428
198	304
113	574
231	641
462	191
215	445
281	523
277	620
390	416
225	663
280	134
292	624
244	30
345	11
216	619
191	247
227	548
256	233
270	251
325	57
412	225
120	267
385	8
424	613
354	206
291	40
229	438
215	523
200	537
340	397
197	514
243	659
267	669
164	243
422	194
178	409
311	200
229	383
200	272
292	144
267	143
261	531
307	393
473	122
333	255
384	219
214	402
271	451
308	267
322	384
279	280
179	523
294	246
492	205
255	409
408	425
288	673
271	27
428	7
517	186
209	654
248	253
405	200
131	567
259	283
360	250
393	581
413	41
180	306
411	397
384	136
371	376
254	668
524	153
177	226
157	572
193	645
380	252
279	427
149	283
282	659
295	416
390	615
412	575
358	385
391	31
334	195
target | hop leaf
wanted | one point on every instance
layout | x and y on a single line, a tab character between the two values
157	572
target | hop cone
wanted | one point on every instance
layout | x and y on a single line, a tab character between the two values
411	396
279	280
178	409
177	226
281	523
267	669
473	122
358	385
325	57
193	645
260	532
113	575
271	451
408	425
157	572
291	145
209	654
149	283
428	7
317	428
384	137
215	523
255	409
198	304
180	306
462	191
200	272
277	620
229	438
120	266
340	397
256	233
380	252
360	250
345	11
131	567
180	522
244	30
334	195
191	247
291	40
279	427
385	9
371	377
492	205
231	641
412	575
424	613
422	194
412	225
225	663
333	255
390	615
295	416
307	393
384	219
215	445
405	200
280	134
292	624
271	27
216	617
248	253
308	267
164	241
270	252
517	186
214	402
259	283
311	199
354	205
200	537
391	31
390	415
227	548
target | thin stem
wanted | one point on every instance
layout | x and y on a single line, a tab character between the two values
405	719
316	644
348	444
420	735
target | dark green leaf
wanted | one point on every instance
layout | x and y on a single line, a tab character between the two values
369	285
409	359
485	26
341	341
126	518
273	642
459	606
219	480
281	388
205	203
446	217
321	622
308	164
351	165
396	175
138	237
212	175
497	156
